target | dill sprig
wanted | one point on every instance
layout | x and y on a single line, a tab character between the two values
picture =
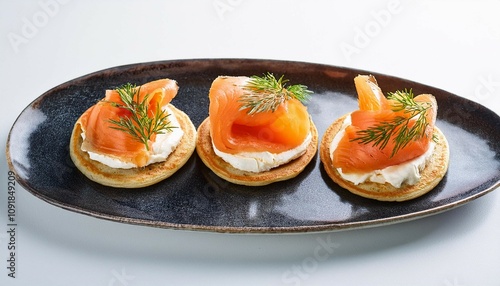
142	123
266	93
399	127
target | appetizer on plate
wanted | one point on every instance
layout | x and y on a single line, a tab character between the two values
133	137
258	131
389	149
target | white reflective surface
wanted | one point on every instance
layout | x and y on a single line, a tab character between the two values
449	45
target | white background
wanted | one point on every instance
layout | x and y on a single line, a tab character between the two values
453	45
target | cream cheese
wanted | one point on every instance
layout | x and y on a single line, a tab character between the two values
406	173
263	161
161	148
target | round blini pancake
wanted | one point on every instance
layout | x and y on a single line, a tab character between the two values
135	177
431	175
224	170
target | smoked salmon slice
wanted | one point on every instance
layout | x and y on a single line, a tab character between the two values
354	155
234	130
102	138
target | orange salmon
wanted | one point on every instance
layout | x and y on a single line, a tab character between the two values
233	130
354	156
101	138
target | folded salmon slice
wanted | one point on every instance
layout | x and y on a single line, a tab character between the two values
233	130
101	138
354	156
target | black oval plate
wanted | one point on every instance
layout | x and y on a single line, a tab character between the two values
194	198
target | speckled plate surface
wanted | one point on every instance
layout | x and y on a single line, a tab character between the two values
194	198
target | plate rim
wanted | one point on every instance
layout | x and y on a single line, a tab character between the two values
326	227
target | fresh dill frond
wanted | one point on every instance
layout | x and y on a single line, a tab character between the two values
403	129
141	122
266	93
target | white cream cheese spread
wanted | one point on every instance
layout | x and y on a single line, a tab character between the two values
161	148
406	173
263	161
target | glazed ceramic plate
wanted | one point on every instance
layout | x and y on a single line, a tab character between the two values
196	199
